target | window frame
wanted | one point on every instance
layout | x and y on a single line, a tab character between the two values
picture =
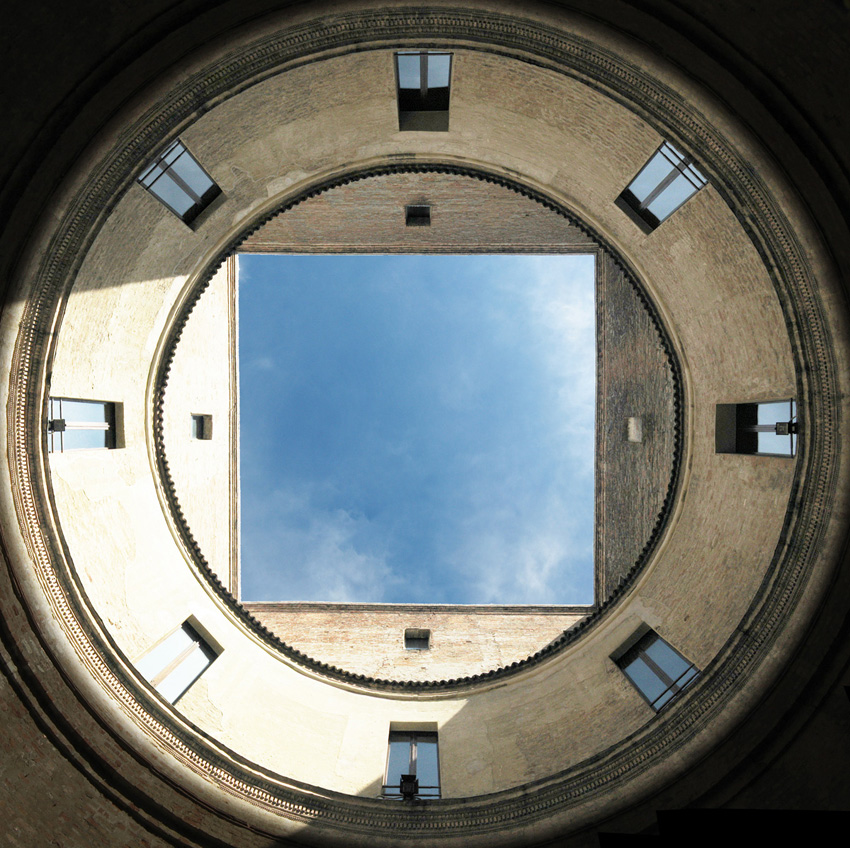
432	107
58	425
200	202
412	738
636	648
682	167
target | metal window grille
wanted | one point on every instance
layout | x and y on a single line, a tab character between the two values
413	769
80	425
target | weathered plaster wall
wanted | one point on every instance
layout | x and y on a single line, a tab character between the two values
369	639
202	381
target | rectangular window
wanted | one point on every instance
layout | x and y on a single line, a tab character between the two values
416	639
80	425
202	427
413	765
657	670
767	429
423	82
667	180
176	662
176	179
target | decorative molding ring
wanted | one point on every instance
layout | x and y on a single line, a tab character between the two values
814	487
192	548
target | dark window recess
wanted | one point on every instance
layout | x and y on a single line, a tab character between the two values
176	179
417	639
202	427
657	670
667	180
417	216
80	425
413	766
176	662
423	83
766	429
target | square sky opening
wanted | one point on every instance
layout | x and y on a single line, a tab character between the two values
417	428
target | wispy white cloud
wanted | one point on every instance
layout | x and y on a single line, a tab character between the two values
300	551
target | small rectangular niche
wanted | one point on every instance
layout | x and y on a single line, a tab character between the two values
417	639
201	427
634	429
417	216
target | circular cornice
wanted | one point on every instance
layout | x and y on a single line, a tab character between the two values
193	550
810	505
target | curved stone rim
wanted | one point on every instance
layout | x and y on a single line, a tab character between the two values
813	492
190	544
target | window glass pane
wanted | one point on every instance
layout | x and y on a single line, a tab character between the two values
671	198
438	70
427	769
193	174
408	70
84	411
172	195
84	439
770	413
652	174
173	686
666	658
644	678
165	652
398	762
771	443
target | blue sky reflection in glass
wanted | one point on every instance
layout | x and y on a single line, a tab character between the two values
417	429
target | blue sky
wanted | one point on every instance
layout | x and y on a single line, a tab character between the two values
417	429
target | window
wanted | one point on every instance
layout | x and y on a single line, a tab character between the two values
176	662
80	424
423	90
176	179
667	180
765	429
417	216
417	640
656	670
413	767
202	427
